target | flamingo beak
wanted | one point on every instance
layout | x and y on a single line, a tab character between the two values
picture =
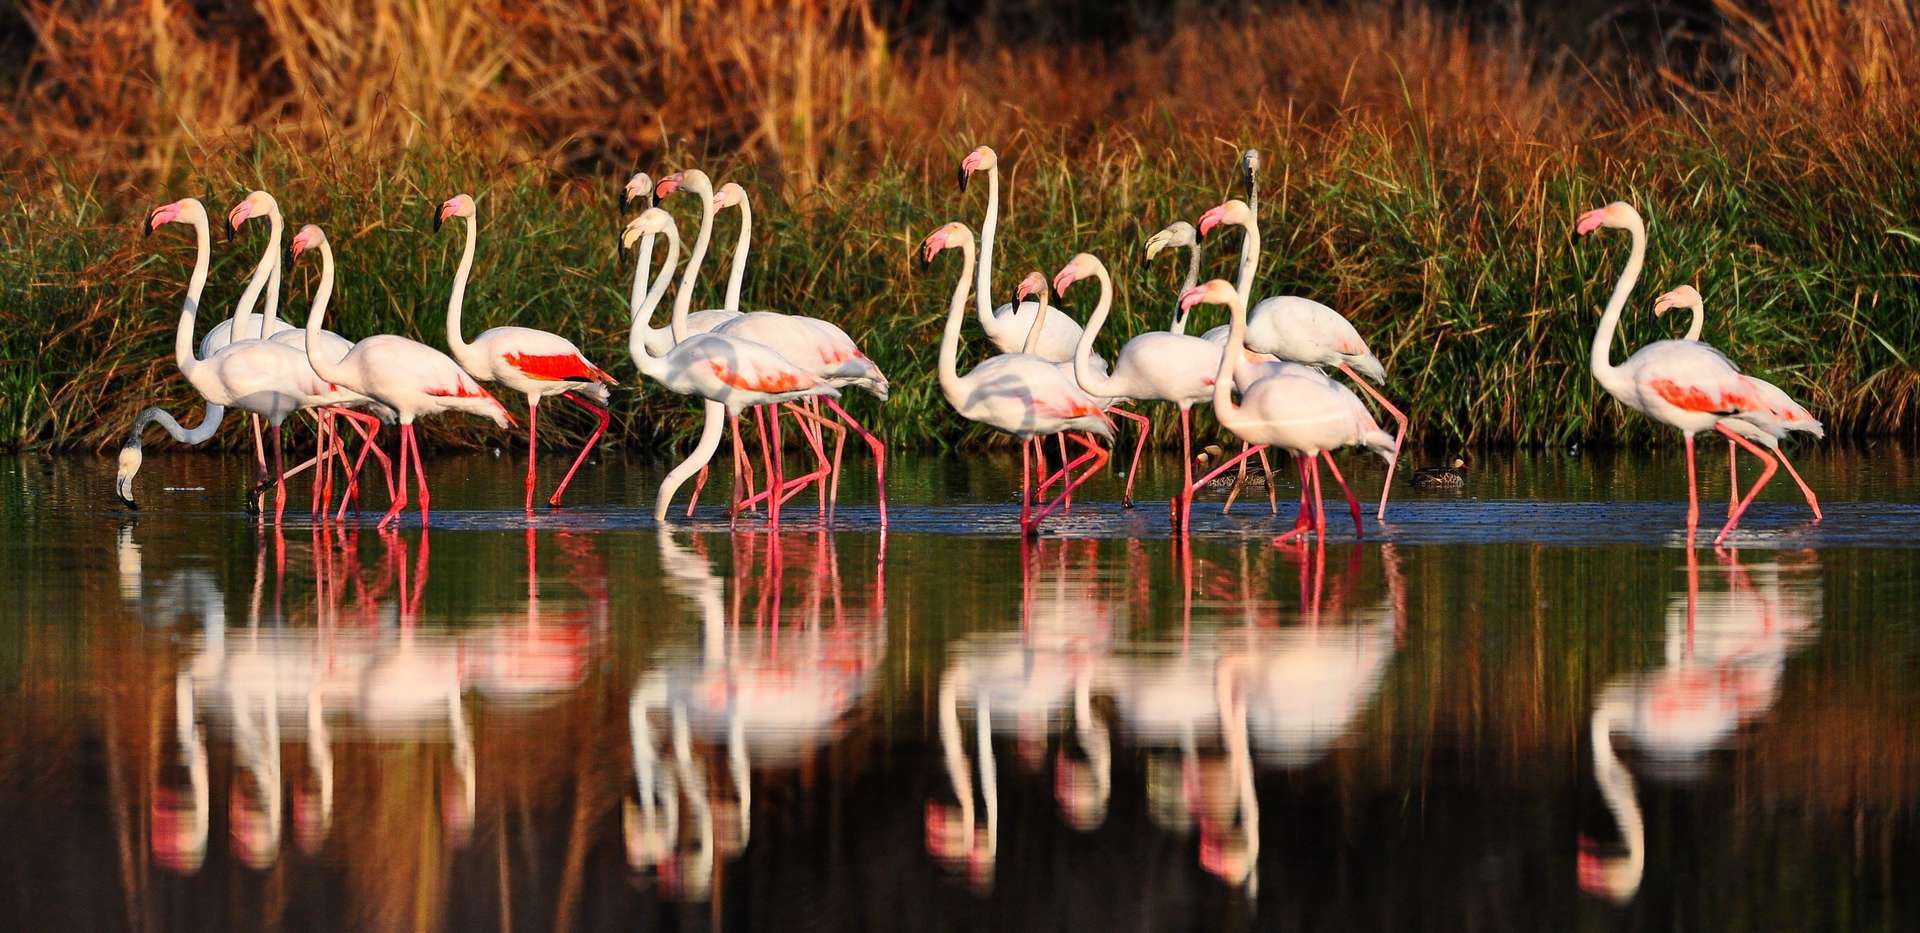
667	185
1063	280
1211	219
1662	304
965	173
439	217
147	226
1589	222
1192	297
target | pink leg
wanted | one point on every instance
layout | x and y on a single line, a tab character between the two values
419	475
1139	447
279	480
1094	452
1733	477
605	418
1766	473
320	454
400	490
1319	501
1068	492
1398	436
699	483
1693	493
809	431
1026	483
533	447
368	427
1352	503
1186	467
1813	502
876	446
768	455
1273	501
1302	523
1229	464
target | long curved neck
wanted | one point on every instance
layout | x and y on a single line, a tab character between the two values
1192	279
1603	368
650	365
1699	321
183	340
1249	259
1224	408
739	273
983	289
1036	328
276	227
458	297
1083	371
327	369
638	294
950	381
210	418
683	302
263	271
710	430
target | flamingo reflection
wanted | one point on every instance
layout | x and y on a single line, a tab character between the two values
1725	653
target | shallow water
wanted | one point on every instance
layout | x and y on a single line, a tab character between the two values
1523	706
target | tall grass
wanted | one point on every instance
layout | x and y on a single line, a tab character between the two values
1422	174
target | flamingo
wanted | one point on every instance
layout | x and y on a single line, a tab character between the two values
532	362
1019	393
1008	325
731	373
1680	383
1035	284
405	375
262	377
1305	416
1158	365
1304	331
1790	415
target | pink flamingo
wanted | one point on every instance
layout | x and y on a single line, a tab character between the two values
1682	383
1303	331
1019	393
407	376
731	373
1790	415
1155	365
532	362
1306	416
1008	325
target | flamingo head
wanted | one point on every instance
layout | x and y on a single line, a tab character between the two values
1613	877
651	222
951	235
255	204
729	195
638	188
1178	233
1216	292
1034	284
185	209
130	457
1685	297
1079	267
460	205
1235	211
1250	168
979	160
691	179
308	238
1618	214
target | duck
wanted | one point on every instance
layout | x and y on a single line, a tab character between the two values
1212	453
1451	476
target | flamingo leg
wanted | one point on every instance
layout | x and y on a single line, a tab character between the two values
699	483
604	418
1229	464
1026	483
1061	438
1693	493
1352	503
320	453
1139	447
1301	523
279	480
1319	501
739	492
769	454
875	445
1753	492
368	427
1186	466
1398	436
1094	452
809	431
260	471
1239	483
400	490
419	477
1273	501
1813	502
1733	477
533	446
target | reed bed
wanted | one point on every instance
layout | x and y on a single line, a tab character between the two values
1422	173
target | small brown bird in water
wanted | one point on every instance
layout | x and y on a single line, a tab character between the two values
1447	477
1211	454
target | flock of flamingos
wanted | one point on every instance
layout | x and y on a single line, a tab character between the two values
1043	381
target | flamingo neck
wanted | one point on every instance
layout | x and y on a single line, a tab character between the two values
650	365
1192	279
1699	323
1249	258
263	271
638	293
983	288
276	228
197	283
740	243
950	381
210	418
683	301
703	450
458	297
330	370
1034	329
1093	383
1603	368
1224	408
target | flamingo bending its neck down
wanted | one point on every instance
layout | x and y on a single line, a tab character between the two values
1019	393
1008	325
1301	330
1685	384
405	375
731	373
1305	416
1789	415
1156	365
535	363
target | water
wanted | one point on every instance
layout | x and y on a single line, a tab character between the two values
1528	706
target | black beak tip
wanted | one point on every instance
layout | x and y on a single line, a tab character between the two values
624	200
925	262
963	179
436	220
131	505
146	225
230	230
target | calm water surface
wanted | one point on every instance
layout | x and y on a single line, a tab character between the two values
1528	706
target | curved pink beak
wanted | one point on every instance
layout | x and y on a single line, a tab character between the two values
931	246
1191	297
301	244
1211	219
164	214
668	185
238	216
1033	284
1589	222
1065	278
1663	303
